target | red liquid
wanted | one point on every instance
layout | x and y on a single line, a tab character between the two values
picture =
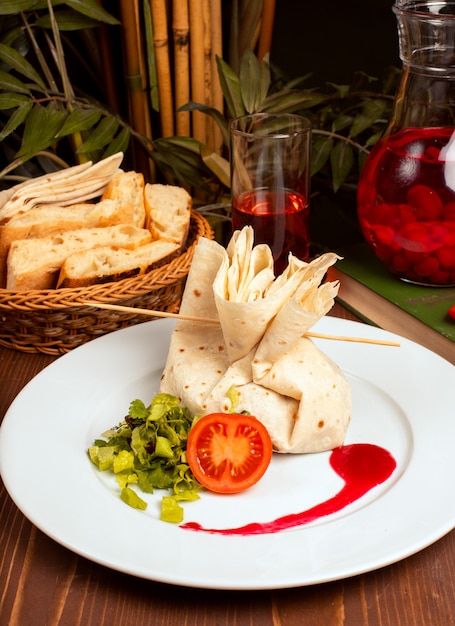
406	205
362	466
279	218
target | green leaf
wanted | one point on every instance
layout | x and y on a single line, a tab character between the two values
92	9
266	78
371	112
103	134
185	165
163	447
341	121
183	145
219	166
10	83
138	410
78	120
341	161
230	86
320	153
391	78
342	90
120	143
151	58
67	20
291	101
250	80
373	139
182	149
16	119
12	57
213	113
12	7
41	128
12	100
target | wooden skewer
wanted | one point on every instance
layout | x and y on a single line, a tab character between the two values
131	309
379	342
206	320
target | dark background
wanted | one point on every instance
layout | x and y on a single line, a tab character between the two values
334	38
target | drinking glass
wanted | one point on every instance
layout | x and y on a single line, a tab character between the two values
270	181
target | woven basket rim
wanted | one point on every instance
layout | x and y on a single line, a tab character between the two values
113	291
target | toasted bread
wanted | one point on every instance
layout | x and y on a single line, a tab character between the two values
106	264
36	263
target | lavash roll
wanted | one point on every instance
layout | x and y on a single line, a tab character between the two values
259	348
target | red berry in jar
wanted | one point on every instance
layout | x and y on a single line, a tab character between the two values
406	205
426	203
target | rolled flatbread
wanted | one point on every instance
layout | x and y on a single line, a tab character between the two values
259	347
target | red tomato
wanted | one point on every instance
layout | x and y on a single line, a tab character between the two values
452	311
228	452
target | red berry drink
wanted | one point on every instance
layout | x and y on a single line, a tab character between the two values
406	204
279	218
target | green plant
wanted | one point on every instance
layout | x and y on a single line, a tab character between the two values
40	106
53	109
347	120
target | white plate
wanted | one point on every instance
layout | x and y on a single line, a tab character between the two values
403	402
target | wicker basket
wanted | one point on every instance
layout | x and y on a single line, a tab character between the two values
53	321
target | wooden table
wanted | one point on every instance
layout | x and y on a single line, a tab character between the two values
44	584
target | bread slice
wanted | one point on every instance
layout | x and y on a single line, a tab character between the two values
168	210
36	263
43	221
128	189
105	264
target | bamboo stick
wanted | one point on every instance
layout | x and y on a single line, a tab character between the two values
217	51
106	58
181	32
208	82
206	320
197	66
160	31
135	72
266	33
132	64
233	55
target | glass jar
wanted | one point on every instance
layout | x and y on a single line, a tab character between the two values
406	192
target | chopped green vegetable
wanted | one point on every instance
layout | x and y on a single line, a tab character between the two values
148	448
233	395
131	498
163	448
171	511
123	461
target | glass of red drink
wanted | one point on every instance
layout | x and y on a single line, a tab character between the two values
270	181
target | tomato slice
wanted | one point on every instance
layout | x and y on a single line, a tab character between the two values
228	452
